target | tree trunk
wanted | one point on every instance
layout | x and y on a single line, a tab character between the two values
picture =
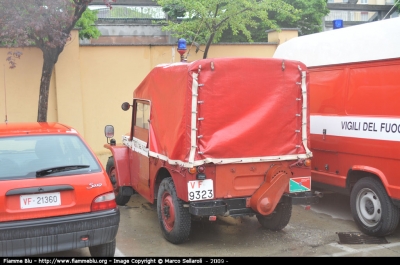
208	45
50	57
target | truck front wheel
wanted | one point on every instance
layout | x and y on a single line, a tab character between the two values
279	219
372	209
112	174
174	219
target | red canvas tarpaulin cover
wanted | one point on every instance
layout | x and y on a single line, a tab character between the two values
222	110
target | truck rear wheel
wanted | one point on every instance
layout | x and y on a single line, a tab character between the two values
372	209
174	219
279	219
112	174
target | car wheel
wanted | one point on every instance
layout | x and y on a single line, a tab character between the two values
104	250
280	217
174	219
112	174
372	209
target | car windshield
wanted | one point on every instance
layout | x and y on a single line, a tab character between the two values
24	156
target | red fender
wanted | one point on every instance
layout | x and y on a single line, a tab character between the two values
121	160
376	172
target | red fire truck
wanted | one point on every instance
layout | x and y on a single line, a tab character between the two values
355	117
216	137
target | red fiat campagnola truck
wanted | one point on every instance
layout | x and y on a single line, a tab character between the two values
217	137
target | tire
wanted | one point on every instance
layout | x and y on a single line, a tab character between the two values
174	219
279	219
372	209
112	174
104	250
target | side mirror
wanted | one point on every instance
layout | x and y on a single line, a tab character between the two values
125	106
109	131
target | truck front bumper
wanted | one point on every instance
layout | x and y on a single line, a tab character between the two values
240	207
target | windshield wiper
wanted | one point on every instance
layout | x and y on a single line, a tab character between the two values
52	170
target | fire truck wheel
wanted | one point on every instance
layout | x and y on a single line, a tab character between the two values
104	250
279	219
112	174
174	219
372	209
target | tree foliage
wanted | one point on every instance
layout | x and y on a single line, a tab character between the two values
45	24
204	21
87	25
310	19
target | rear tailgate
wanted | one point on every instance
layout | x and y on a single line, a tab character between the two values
50	196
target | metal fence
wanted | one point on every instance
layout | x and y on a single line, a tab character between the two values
132	12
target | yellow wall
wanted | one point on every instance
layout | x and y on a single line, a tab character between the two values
89	83
69	90
281	37
19	87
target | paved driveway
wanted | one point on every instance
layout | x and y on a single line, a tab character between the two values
310	233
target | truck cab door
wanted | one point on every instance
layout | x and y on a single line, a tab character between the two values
139	153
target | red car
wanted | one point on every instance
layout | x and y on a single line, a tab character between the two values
54	193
